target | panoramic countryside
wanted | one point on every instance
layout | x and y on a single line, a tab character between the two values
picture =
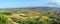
29	12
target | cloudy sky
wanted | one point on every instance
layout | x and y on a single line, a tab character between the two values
28	3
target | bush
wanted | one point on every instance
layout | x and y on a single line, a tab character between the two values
3	20
7	13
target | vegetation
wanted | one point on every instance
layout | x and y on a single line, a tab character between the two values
3	20
7	13
24	16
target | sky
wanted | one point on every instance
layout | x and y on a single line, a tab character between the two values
28	3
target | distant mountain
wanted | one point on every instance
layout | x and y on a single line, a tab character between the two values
38	8
44	8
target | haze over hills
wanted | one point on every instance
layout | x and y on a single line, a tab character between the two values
39	8
29	9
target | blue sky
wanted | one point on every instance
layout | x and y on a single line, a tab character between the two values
28	3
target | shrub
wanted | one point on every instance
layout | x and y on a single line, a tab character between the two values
7	13
3	20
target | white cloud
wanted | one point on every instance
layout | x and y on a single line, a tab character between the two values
57	2
53	3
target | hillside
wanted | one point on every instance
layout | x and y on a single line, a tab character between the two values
30	15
